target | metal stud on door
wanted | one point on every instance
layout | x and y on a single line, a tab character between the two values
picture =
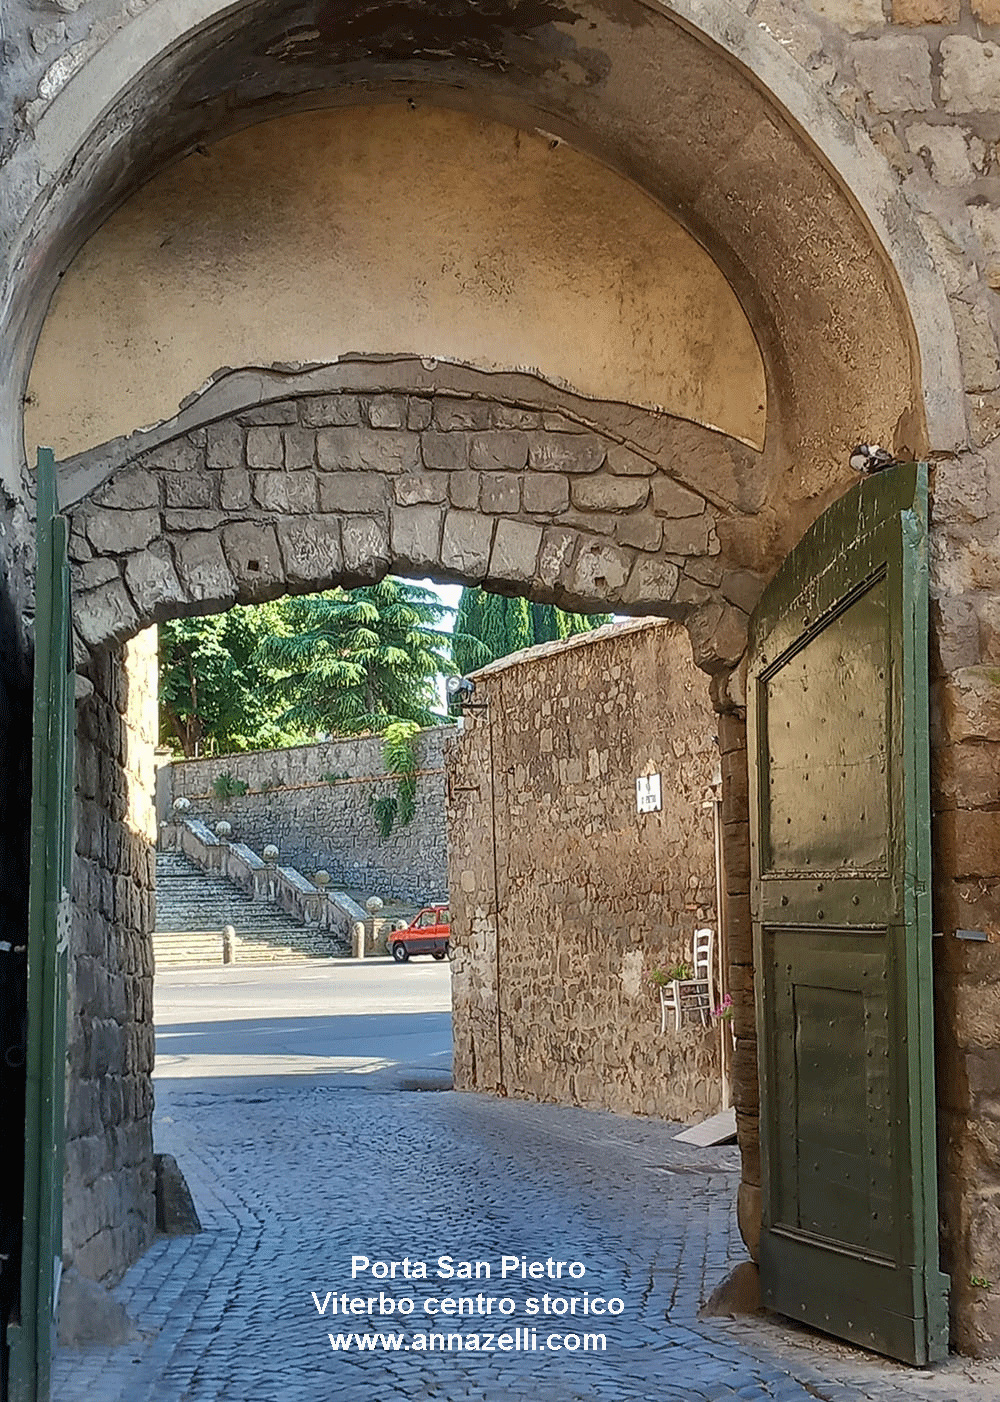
840	890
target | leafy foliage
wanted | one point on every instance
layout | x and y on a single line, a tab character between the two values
227	786
489	626
214	696
354	663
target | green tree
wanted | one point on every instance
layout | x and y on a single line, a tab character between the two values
355	662
500	626
214	698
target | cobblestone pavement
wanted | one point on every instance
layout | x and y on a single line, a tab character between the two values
293	1177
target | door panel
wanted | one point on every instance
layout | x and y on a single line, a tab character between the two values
31	1336
840	881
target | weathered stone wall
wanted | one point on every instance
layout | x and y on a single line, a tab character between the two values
564	898
319	823
109	1213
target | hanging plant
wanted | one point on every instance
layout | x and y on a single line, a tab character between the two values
399	755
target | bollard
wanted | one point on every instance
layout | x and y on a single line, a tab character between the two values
228	944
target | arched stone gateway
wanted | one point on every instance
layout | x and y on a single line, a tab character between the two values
342	473
598	479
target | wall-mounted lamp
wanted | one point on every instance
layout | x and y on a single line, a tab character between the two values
461	693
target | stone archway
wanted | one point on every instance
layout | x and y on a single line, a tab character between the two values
831	247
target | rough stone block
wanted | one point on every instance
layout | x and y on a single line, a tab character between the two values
299	448
409	491
463	490
191	490
946	149
452	414
556	557
175	1209
130	490
333	410
506	450
970	74
179	455
600	573
105	614
977	344
365	542
254	558
203	570
224	445
500	493
120	532
515	552
364	450
547	494
895	72
640	530
565	452
603	493
418	414
363	492
265	448
671	499
290	492
625	462
690	536
447	452
914	12
234	489
853	15
387	411
152	580
415	533
971	705
465	544
511	416
987	10
95	572
652	581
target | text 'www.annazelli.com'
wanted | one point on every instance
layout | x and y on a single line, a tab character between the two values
517	1341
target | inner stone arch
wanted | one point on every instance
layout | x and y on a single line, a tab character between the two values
272	483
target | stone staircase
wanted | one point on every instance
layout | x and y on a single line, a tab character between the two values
193	905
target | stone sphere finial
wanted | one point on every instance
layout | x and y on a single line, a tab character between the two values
182	804
270	853
321	879
224	830
373	905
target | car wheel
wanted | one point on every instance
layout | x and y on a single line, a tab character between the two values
400	952
440	954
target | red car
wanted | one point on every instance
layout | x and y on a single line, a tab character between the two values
427	933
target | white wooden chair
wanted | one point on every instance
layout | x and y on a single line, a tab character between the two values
692	995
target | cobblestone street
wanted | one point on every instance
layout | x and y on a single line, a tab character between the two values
294	1175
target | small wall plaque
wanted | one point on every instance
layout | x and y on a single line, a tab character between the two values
647	793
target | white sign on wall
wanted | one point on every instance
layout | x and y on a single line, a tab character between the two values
647	793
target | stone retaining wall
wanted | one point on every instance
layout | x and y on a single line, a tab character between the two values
314	803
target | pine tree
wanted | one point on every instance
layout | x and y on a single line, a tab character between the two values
504	625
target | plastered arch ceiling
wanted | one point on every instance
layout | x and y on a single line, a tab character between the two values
688	102
383	230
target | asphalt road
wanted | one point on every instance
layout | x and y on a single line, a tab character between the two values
341	1021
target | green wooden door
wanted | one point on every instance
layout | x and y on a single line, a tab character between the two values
840	892
31	1337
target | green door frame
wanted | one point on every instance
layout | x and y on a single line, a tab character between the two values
31	1338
